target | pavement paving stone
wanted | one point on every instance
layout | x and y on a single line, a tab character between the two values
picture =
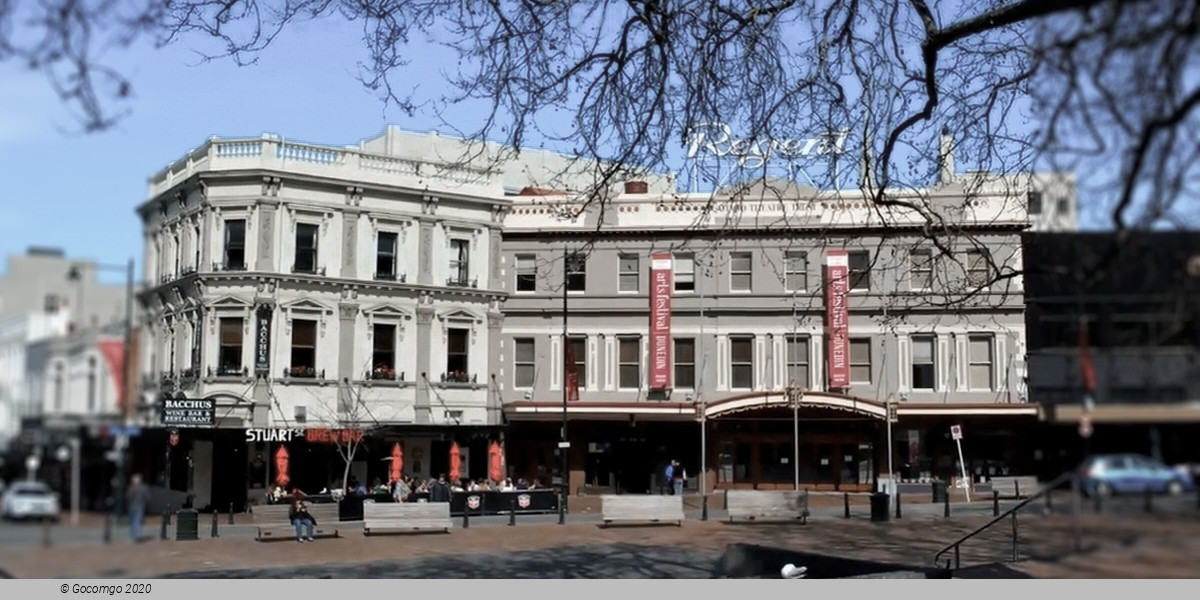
1129	545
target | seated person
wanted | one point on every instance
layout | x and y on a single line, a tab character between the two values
300	517
507	485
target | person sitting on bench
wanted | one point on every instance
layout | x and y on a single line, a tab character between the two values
301	519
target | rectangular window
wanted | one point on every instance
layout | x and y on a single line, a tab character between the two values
526	273
229	351
1035	203
576	273
579	348
306	248
460	254
304	348
980	356
797	361
741	362
386	246
922	362
860	269
685	363
796	271
629	350
196	247
457	366
383	351
739	271
685	272
860	360
627	279
920	264
524	362
978	270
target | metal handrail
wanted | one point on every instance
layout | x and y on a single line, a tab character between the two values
1010	513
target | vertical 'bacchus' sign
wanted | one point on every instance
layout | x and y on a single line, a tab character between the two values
262	336
837	318
660	321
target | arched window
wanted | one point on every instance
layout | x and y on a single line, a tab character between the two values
58	387
91	384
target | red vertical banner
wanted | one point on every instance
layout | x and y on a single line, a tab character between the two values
837	318
114	355
572	373
1086	370
660	320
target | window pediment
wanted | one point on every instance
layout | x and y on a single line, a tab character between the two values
388	311
307	305
229	303
460	316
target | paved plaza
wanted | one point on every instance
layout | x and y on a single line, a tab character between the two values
1123	544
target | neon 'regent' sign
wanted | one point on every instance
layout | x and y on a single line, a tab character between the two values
717	139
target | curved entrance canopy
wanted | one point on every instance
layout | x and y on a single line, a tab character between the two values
780	399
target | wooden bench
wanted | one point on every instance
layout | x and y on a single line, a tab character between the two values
272	521
398	517
1015	487
764	505
641	508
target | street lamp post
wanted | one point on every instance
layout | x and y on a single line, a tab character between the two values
122	440
794	397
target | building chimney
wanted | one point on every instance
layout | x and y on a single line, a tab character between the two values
946	157
636	187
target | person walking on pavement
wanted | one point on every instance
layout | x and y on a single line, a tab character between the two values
137	498
677	478
668	476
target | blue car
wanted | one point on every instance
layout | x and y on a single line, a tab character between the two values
1109	474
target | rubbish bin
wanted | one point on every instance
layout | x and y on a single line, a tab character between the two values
880	502
939	492
187	525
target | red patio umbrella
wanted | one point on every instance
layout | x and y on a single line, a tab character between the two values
397	466
495	462
281	467
455	462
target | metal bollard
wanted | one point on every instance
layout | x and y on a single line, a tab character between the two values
1148	501
562	515
704	507
466	518
846	503
897	504
1050	502
995	503
45	533
108	527
1097	502
946	505
166	519
231	513
214	525
512	518
1017	489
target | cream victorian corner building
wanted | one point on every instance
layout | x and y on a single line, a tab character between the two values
305	287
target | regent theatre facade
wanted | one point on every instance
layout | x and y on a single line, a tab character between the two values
785	321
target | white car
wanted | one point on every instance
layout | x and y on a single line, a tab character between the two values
29	500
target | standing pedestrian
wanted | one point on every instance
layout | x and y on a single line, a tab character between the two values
677	480
137	498
668	475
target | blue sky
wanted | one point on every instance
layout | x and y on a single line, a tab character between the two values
78	192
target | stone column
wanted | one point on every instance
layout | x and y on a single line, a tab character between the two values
495	365
495	280
350	218
422	404
347	321
267	213
425	254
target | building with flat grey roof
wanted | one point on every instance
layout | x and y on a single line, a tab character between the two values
935	334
